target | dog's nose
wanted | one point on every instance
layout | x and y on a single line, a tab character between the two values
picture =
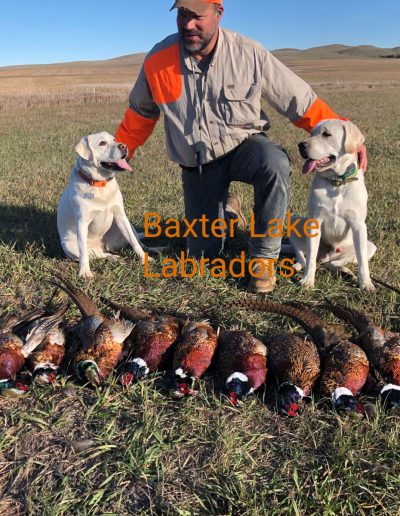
122	147
303	149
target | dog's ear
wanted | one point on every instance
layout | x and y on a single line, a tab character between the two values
353	137
83	149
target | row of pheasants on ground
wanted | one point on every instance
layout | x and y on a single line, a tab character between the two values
145	341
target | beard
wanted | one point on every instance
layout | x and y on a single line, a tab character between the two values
204	40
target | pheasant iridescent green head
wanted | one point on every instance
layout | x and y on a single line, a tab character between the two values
88	371
13	389
289	398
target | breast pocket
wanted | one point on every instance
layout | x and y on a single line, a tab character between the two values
242	104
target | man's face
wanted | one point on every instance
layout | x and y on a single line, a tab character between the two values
197	31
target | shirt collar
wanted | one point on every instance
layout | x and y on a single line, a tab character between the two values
190	63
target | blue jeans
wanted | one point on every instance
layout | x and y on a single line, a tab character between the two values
257	161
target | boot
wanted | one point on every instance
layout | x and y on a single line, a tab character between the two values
234	209
267	281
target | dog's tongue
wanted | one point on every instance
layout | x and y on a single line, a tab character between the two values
122	163
309	165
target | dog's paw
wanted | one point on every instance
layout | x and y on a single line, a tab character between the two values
307	282
85	272
145	258
112	257
367	286
298	267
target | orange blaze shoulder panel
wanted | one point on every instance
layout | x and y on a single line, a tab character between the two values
164	75
317	112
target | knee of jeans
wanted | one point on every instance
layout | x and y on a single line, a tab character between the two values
277	167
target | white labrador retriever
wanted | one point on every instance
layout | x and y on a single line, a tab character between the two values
338	201
91	219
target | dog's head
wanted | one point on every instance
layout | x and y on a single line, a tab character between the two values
101	152
332	146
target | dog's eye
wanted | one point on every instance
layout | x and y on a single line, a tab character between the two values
326	134
102	144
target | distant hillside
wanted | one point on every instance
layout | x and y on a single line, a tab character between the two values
336	51
330	63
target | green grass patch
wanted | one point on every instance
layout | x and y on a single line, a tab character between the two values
140	451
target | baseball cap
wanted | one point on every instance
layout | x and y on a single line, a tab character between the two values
197	6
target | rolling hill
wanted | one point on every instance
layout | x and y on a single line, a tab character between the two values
319	64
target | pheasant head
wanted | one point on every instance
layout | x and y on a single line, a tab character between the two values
88	371
343	400
237	386
182	384
289	398
133	371
390	396
13	389
44	374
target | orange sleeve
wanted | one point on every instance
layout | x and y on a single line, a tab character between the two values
134	130
317	112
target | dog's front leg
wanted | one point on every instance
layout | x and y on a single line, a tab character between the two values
82	235
308	279
125	227
360	239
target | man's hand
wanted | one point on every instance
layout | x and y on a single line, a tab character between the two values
362	158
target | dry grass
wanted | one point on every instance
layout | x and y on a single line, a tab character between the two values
315	66
143	452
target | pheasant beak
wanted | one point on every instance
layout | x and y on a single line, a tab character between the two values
93	377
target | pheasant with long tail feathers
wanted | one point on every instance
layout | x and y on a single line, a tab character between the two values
345	365
102	339
382	348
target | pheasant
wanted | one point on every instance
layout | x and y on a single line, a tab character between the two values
14	349
192	357
46	361
242	362
295	363
345	366
151	341
382	348
102	338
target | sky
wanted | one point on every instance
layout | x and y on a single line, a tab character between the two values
37	31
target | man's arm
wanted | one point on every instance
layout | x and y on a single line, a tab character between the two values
140	117
292	96
295	99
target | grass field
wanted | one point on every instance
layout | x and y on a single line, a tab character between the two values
68	450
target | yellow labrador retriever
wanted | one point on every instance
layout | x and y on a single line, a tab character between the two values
91	219
338	201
